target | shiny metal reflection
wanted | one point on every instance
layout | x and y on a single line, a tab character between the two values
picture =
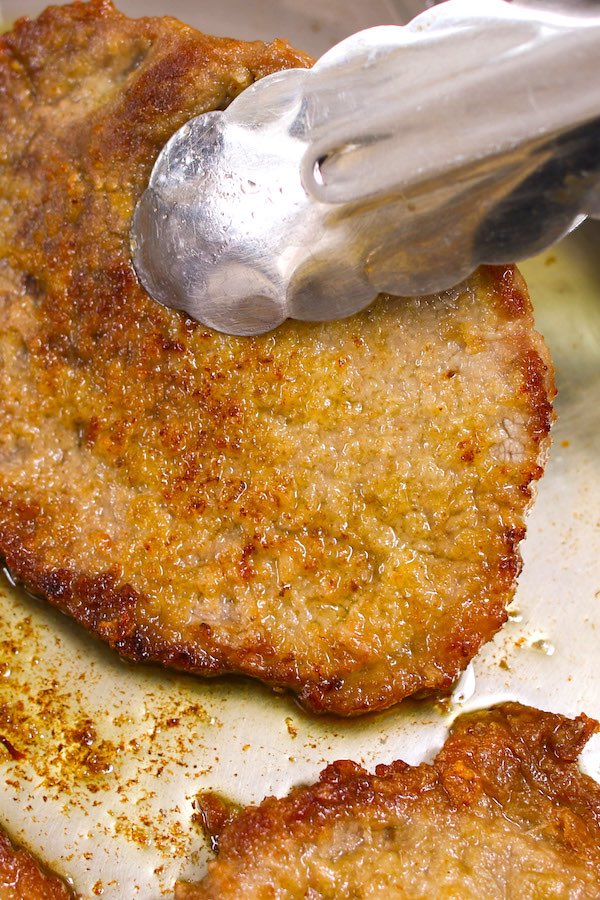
403	159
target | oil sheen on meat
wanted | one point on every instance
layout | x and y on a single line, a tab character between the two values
334	508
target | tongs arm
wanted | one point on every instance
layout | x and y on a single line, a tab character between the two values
387	109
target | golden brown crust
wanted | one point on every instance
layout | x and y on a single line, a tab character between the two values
502	811
22	878
335	508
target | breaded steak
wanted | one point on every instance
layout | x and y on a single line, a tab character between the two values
502	812
334	507
22	878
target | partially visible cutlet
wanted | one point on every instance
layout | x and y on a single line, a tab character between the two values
22	877
503	811
336	507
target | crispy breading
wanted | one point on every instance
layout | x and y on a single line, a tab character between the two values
334	507
22	878
503	811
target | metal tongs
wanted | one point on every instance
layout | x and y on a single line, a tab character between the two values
405	158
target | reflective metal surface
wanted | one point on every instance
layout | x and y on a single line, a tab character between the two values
113	754
402	160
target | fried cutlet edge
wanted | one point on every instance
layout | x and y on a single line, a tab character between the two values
25	877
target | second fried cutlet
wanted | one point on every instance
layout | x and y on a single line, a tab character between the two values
503	811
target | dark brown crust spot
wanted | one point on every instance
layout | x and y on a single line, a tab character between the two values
538	385
509	290
214	814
